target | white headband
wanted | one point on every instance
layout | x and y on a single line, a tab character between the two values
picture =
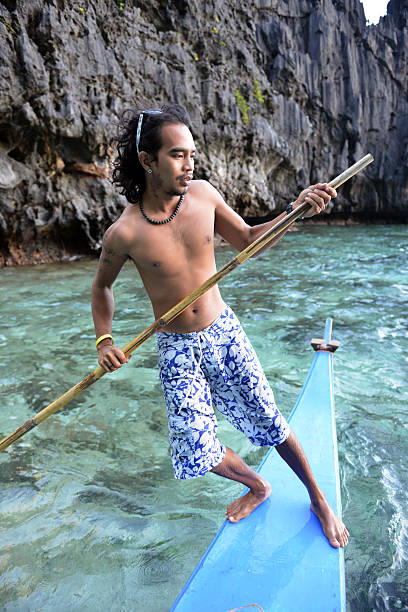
139	125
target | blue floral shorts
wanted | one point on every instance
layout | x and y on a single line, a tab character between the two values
214	366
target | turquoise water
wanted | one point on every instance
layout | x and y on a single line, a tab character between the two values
90	514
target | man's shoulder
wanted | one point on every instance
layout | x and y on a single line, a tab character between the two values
119	234
199	184
201	187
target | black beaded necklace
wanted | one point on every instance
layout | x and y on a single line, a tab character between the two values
162	221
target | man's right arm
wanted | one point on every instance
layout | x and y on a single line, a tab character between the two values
112	259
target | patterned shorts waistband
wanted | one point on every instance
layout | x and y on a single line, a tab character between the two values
214	327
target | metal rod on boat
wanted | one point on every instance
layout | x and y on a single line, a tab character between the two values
174	312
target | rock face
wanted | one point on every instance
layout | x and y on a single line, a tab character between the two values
281	94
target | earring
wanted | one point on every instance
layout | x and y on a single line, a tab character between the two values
150	170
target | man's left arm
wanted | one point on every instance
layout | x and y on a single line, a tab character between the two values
238	233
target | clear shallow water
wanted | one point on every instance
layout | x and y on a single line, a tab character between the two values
90	515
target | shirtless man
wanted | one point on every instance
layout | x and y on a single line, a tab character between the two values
205	357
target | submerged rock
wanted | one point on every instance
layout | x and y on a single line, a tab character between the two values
281	95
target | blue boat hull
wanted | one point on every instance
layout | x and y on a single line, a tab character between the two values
278	558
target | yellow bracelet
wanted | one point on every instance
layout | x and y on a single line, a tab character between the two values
103	338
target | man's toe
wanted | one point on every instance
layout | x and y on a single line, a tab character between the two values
334	542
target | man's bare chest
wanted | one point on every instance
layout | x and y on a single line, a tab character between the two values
171	247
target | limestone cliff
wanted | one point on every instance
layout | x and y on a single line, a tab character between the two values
281	94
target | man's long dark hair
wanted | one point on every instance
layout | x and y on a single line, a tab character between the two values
128	172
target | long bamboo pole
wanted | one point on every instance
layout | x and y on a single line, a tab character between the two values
174	312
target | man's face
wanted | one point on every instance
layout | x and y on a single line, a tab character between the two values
174	167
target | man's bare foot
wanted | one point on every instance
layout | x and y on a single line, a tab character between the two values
243	506
333	528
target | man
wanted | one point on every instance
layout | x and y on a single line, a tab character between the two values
204	355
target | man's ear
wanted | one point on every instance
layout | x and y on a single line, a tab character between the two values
145	160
